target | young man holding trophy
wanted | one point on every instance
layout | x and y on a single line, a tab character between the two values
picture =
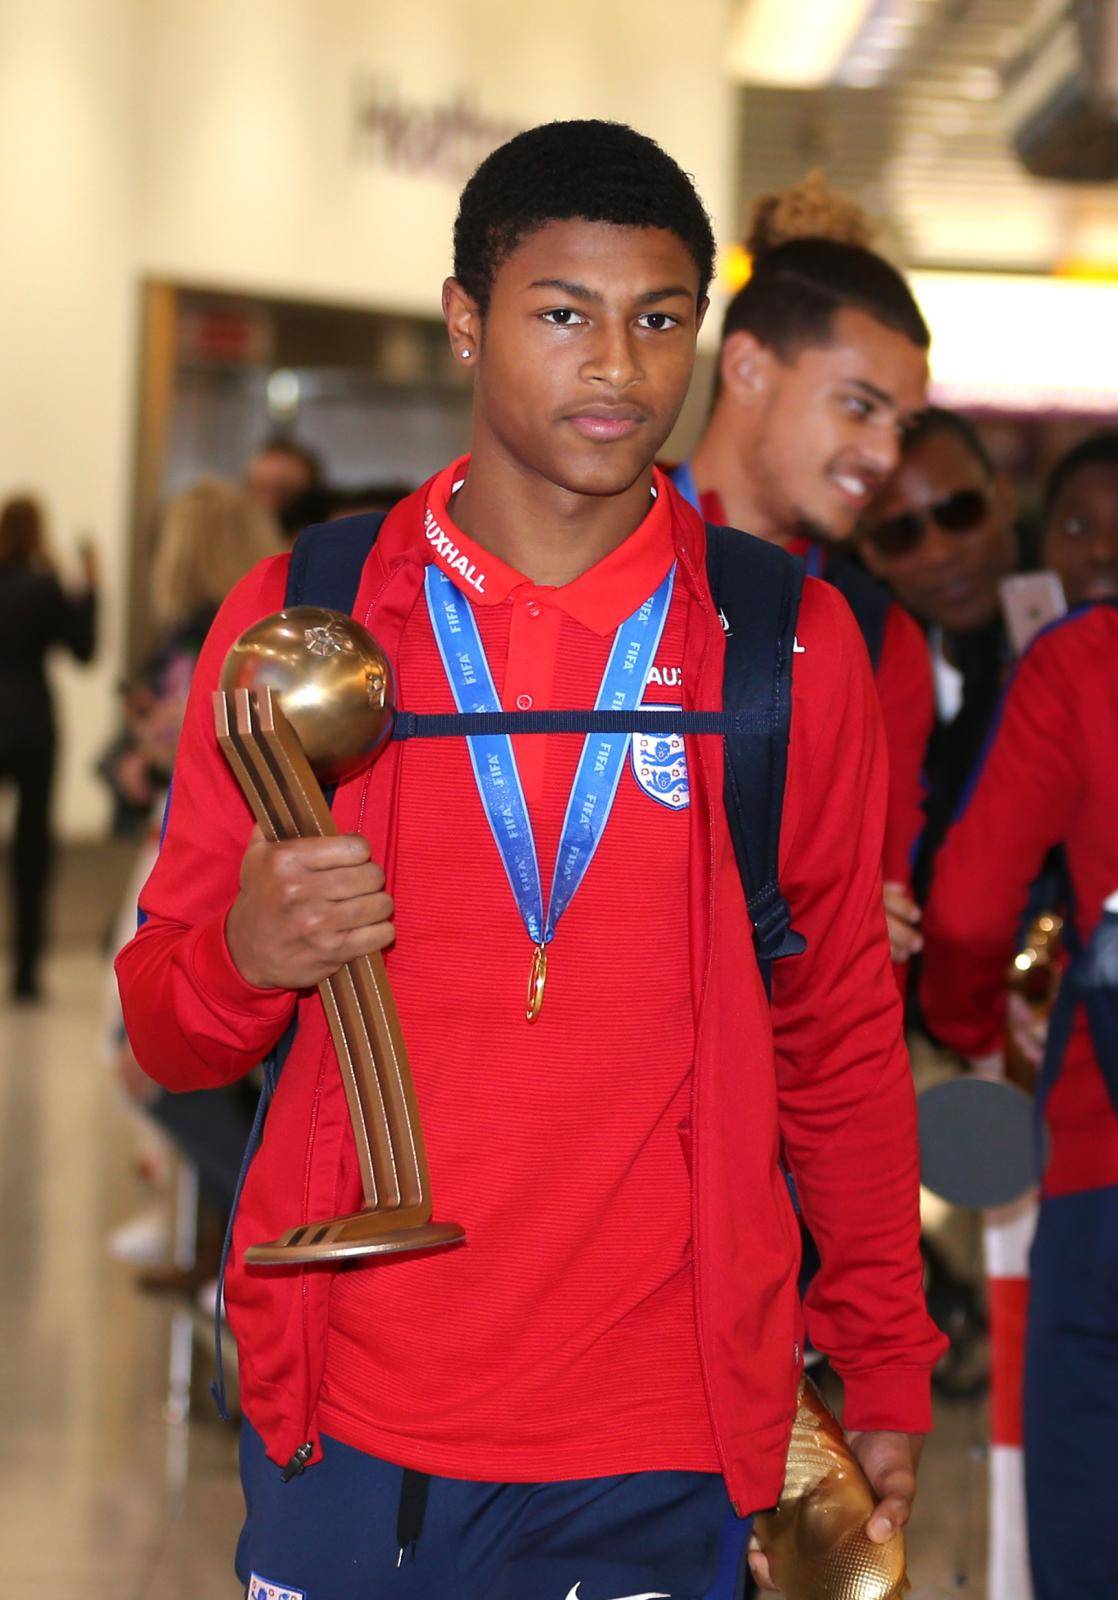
568	1402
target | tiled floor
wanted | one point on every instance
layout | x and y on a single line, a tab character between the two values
102	1492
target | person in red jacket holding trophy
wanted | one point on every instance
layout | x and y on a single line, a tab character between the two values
569	1403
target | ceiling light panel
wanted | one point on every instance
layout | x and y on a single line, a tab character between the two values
793	43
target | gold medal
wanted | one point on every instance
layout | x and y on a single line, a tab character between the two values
537	979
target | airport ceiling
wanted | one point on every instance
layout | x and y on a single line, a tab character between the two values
928	150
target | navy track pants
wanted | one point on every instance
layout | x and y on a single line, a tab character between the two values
333	1534
1071	1398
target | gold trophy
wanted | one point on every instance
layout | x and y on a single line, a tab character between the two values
1035	977
816	1540
305	700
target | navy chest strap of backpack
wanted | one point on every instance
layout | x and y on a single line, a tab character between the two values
756	589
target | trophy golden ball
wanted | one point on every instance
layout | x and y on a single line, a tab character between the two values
332	680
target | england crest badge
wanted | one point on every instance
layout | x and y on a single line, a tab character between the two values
660	765
264	1589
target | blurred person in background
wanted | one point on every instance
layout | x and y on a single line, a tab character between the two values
286	479
1050	779
823	365
207	538
1081	520
210	535
940	534
36	614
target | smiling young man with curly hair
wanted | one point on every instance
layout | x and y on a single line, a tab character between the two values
823	366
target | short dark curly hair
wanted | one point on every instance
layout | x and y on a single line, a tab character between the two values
588	170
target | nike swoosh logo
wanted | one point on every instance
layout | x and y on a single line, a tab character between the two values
658	1595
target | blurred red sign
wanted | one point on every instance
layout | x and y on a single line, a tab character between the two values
225	335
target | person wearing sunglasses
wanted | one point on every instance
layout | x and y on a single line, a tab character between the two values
962	511
941	535
940	532
822	367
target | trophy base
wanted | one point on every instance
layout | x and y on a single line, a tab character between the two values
362	1233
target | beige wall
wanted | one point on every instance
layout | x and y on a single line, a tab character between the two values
67	281
248	171
211	141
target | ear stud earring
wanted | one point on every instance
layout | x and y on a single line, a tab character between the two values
466	354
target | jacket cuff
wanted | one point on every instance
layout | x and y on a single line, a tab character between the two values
973	1036
217	976
895	1399
963	996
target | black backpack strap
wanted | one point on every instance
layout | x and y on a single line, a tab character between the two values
868	599
328	559
756	589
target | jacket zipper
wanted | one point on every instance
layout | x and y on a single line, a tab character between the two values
298	1463
303	1454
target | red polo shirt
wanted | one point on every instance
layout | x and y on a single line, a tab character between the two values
560	1339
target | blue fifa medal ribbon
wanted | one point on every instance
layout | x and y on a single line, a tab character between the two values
494	762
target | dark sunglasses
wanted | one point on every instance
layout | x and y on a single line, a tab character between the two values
959	513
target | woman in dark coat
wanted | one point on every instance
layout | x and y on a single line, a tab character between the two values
36	614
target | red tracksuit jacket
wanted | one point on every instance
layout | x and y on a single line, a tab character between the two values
820	1080
1050	777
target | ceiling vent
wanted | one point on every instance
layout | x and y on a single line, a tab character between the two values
1060	98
